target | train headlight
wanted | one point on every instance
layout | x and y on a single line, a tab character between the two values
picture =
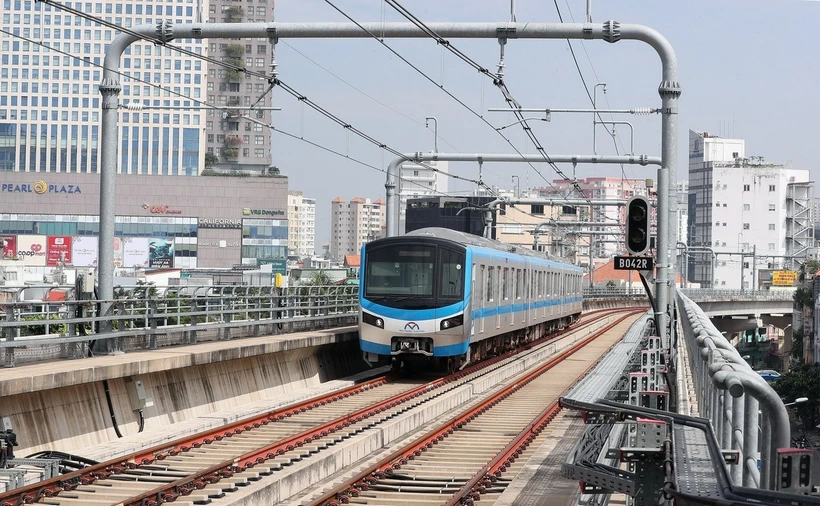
449	323
372	320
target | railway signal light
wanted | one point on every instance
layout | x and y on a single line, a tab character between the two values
637	225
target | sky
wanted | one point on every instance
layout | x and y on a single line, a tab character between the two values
747	70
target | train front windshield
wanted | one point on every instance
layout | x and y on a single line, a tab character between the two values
408	275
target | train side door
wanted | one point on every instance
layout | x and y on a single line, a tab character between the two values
481	288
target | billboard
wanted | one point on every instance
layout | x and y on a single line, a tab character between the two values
58	249
31	249
160	252
135	252
9	245
784	278
84	251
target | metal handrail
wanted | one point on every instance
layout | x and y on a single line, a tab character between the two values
730	394
702	294
150	312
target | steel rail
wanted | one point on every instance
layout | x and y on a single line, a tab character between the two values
247	461
395	460
84	476
472	490
104	470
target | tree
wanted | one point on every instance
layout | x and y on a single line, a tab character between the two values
803	297
210	159
797	345
803	381
234	14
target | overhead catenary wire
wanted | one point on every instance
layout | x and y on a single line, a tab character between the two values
273	80
498	80
214	107
438	85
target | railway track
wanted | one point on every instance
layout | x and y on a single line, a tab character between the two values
466	458
206	466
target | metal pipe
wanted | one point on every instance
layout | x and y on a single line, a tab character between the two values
393	182
435	130
631	132
550	110
610	31
139	107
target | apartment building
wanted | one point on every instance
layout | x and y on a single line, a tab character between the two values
301	225
355	223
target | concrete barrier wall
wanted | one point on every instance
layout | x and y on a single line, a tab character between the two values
75	417
614	302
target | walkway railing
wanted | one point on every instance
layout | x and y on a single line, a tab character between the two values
739	403
150	317
707	294
601	293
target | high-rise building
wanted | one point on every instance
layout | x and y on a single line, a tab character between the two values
301	224
611	217
751	214
234	143
355	223
419	181
50	102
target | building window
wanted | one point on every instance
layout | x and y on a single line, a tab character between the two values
771	246
745	226
747	207
415	173
717	204
746	187
772	187
771	226
771	207
538	209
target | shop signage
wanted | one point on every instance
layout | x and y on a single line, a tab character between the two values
277	265
784	278
160	209
219	223
39	187
262	212
220	244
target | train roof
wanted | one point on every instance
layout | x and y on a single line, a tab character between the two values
483	242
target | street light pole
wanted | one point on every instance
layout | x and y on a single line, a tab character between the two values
518	187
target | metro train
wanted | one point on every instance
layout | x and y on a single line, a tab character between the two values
447	298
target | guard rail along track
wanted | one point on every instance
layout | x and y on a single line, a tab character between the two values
208	464
63	324
465	458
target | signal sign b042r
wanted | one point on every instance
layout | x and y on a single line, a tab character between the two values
637	225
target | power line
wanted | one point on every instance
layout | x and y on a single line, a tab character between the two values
205	104
438	85
271	79
374	99
498	80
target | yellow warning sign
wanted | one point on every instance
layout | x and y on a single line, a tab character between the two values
784	278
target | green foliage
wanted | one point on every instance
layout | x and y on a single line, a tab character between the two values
210	160
611	284
234	14
797	344
40	329
803	297
235	50
230	153
803	381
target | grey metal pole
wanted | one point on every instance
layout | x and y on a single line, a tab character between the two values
435	131
610	31
393	184
518	186
591	264
669	91
110	90
738	405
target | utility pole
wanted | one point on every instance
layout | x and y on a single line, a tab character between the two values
435	130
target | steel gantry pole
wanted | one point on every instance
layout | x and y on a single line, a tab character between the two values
393	183
610	31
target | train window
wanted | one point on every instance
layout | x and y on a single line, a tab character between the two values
490	283
504	284
452	274
519	282
400	269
